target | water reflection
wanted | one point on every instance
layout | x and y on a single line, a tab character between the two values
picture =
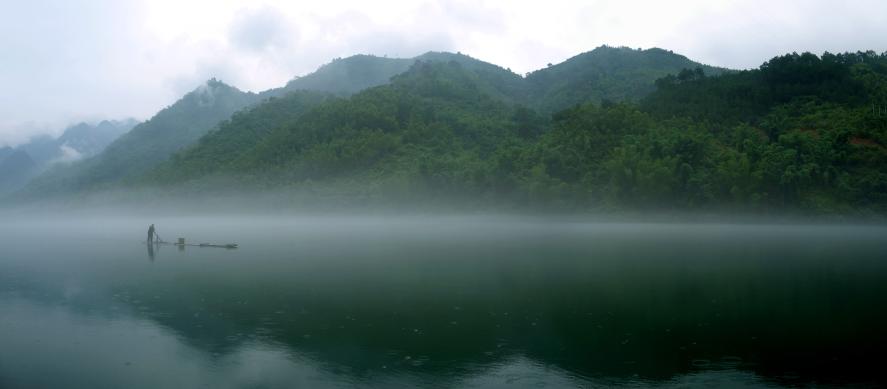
150	251
96	351
76	350
464	305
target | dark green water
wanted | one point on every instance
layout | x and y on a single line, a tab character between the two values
440	302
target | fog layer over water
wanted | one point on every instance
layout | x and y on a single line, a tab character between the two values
438	302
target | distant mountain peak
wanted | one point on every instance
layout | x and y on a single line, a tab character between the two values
349	75
215	82
615	73
206	94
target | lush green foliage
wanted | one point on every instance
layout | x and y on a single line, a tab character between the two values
801	132
232	137
408	136
350	75
179	126
605	74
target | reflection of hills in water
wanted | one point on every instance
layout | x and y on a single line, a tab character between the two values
136	350
600	306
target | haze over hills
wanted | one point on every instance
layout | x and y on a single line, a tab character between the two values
152	141
799	133
194	115
5	152
606	73
79	141
16	167
611	128
84	140
346	76
197	113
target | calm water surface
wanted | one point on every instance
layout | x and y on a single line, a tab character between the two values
440	302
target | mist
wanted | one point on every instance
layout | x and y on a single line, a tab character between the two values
443	194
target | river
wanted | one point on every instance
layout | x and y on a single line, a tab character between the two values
448	301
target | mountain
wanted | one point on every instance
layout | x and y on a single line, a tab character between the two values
150	142
224	144
169	130
195	115
850	79
433	118
79	141
221	148
207	157
343	77
434	106
493	80
85	140
801	133
227	143
41	149
605	73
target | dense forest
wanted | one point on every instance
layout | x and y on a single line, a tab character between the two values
605	130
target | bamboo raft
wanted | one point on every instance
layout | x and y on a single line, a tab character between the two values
181	243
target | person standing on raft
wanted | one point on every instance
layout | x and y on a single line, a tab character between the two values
151	234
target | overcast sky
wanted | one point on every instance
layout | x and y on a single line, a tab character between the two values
67	60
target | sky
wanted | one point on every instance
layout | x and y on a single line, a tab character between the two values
66	61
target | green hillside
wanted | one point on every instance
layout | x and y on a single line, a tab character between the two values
414	132
178	127
235	136
800	133
605	73
346	76
502	84
342	76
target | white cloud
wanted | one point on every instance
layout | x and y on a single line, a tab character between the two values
69	154
65	61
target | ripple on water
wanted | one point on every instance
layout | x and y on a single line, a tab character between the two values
729	362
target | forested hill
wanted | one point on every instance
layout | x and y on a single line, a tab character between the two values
180	125
220	149
436	111
493	80
346	76
236	136
617	74
800	133
193	116
605	73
